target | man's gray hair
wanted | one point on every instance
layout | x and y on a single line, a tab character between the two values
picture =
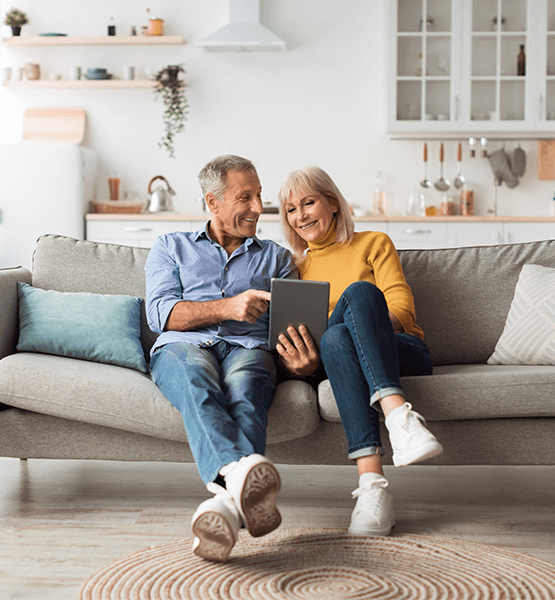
213	176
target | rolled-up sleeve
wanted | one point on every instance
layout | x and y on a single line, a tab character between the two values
163	286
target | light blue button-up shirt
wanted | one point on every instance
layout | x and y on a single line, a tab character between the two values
191	266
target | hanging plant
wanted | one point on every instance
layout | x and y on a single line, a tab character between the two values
172	91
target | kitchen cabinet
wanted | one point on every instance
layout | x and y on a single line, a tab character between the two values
418	234
406	233
454	67
474	234
134	231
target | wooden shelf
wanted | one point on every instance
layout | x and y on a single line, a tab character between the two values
136	40
102	83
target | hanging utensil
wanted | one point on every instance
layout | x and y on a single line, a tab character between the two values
519	162
459	179
442	184
425	183
484	144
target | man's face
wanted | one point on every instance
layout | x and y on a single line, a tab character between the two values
237	216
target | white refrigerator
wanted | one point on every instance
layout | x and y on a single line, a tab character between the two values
45	187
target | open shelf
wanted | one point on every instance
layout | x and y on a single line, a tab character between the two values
135	40
102	83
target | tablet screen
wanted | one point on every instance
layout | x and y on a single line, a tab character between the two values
296	302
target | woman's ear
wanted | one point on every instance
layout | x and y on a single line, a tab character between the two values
212	203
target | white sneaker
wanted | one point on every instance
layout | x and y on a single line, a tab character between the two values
373	514
254	484
411	442
216	525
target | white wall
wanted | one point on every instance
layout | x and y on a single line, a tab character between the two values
323	102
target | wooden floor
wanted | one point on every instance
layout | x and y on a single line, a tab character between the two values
60	521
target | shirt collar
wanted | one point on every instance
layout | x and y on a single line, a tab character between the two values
202	234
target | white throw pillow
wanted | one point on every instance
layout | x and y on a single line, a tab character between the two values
529	334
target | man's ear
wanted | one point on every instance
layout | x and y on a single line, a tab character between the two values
212	203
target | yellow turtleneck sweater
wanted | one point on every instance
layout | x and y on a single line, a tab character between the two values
370	256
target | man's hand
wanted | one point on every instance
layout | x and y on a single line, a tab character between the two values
248	306
300	358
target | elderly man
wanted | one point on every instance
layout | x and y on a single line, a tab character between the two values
207	296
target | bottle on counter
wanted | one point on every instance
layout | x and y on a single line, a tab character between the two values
521	62
379	203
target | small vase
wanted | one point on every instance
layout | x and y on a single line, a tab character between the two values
16	30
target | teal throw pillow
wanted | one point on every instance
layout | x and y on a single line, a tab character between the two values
100	328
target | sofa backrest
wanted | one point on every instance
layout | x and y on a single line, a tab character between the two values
68	265
463	295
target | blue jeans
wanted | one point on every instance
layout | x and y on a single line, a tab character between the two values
224	393
364	359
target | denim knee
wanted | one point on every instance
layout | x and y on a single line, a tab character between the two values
336	338
363	289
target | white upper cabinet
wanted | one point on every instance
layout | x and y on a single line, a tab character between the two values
472	66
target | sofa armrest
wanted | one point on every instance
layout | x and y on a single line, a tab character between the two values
9	313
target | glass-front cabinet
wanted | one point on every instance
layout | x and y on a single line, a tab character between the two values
472	65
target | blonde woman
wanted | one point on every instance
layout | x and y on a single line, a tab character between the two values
372	337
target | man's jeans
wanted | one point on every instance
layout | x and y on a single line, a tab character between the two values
223	393
363	359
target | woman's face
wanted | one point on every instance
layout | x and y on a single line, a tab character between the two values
310	215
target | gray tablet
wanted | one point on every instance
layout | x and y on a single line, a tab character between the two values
295	302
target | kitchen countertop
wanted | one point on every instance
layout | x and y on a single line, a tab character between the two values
276	218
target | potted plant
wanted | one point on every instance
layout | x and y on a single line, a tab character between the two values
16	19
171	89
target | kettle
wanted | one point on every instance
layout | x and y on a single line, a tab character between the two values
159	200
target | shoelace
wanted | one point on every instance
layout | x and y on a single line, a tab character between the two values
221	493
371	487
404	422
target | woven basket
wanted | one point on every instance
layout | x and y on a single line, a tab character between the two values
117	206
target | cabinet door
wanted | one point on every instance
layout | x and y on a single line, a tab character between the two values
418	234
545	65
500	65
474	234
424	65
517	233
134	232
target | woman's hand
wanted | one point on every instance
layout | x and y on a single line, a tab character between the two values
397	327
300	358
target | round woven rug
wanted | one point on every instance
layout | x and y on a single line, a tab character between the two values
327	564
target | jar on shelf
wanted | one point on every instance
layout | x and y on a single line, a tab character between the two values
448	206
467	201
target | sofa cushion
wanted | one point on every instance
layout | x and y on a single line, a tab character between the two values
125	399
68	265
463	295
101	328
529	334
460	392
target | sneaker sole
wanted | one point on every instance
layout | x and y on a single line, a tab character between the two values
258	499
383	531
428	451
215	537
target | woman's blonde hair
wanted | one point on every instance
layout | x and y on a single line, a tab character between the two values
313	180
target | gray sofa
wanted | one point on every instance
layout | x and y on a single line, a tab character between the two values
65	408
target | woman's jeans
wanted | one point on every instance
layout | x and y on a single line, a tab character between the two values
364	359
223	393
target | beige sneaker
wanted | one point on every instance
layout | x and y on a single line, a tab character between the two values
410	441
254	484
216	525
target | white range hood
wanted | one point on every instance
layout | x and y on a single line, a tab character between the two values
244	31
